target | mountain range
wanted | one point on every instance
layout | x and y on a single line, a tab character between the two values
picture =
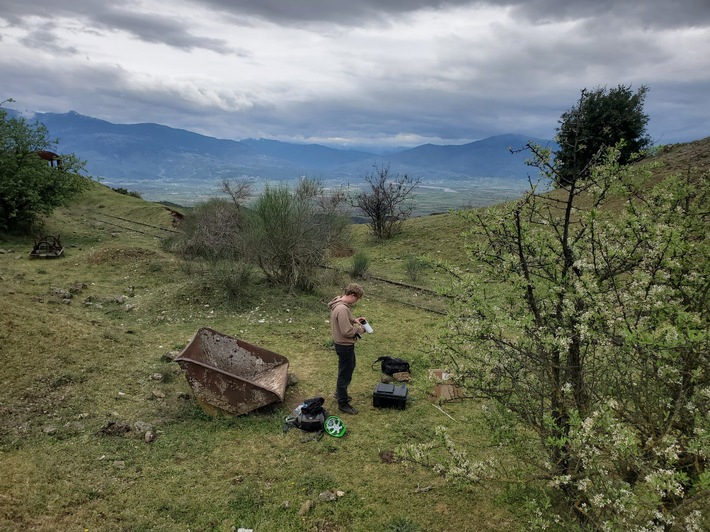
148	151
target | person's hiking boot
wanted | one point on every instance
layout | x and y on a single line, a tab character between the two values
348	409
335	396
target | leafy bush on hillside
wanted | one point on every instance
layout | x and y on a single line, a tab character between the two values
286	234
211	231
30	186
600	343
126	192
289	233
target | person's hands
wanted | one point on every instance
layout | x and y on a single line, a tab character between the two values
361	329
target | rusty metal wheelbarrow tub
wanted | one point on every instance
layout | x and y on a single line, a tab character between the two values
228	375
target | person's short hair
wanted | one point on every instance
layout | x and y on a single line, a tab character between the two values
354	290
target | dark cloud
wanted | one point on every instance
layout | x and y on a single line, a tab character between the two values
522	81
644	13
160	29
651	13
44	38
15	11
355	12
114	16
174	31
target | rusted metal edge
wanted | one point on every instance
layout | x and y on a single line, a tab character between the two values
218	370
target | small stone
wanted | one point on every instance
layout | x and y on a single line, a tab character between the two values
74	426
158	394
149	436
170	356
340	493
327	496
115	428
157	376
61	293
305	508
77	288
142	426
119	464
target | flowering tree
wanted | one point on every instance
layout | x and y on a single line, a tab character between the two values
596	339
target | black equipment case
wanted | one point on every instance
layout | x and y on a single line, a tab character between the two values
389	395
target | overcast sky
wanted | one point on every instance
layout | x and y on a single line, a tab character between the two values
356	73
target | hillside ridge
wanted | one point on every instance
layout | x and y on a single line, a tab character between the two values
158	152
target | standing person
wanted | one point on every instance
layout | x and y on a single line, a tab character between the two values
346	331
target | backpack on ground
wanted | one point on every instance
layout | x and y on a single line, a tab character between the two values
308	416
392	365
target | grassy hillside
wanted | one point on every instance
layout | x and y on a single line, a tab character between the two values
83	342
83	339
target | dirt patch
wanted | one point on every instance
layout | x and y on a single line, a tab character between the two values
342	252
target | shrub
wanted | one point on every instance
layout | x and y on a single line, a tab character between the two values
414	267
597	340
288	233
126	192
360	265
211	231
232	282
387	203
30	185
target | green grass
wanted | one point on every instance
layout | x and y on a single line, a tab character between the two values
71	367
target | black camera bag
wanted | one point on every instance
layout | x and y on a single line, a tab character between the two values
392	365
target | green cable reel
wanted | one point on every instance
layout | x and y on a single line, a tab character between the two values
334	426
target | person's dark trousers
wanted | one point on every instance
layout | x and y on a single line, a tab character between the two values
346	367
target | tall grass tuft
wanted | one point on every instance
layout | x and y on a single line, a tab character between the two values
232	282
360	265
402	524
414	267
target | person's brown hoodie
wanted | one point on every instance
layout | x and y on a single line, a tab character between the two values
345	328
